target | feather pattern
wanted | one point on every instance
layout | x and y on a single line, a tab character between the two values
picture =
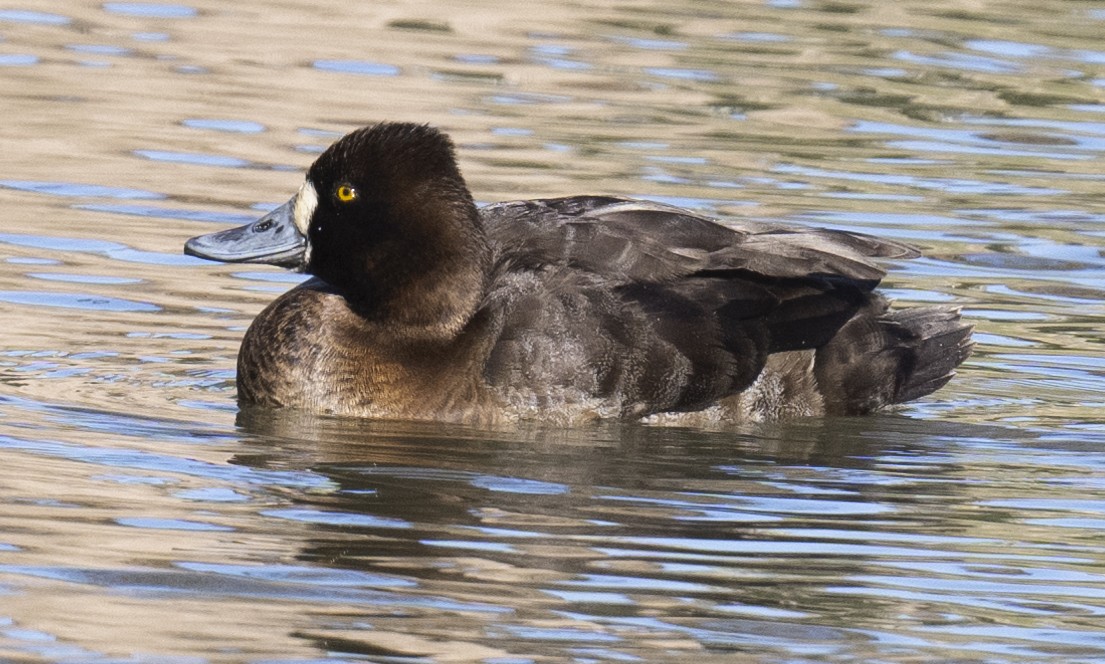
565	309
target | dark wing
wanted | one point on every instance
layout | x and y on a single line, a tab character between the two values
646	242
668	310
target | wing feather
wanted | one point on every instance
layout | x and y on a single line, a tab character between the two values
634	241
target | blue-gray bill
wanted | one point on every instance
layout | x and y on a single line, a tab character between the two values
272	239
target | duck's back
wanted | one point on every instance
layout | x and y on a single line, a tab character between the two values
609	307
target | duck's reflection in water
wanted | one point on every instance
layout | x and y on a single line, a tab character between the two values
603	529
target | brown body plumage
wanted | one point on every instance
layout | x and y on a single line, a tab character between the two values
564	309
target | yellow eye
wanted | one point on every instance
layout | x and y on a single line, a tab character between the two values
345	193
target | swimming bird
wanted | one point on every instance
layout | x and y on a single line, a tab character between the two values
565	310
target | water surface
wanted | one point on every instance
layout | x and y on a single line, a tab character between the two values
143	518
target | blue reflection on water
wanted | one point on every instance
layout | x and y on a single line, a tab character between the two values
361	67
77	189
319	576
230	126
956	185
27	16
188	214
115	458
99	49
75	301
960	61
150	10
1008	48
113	250
153	523
194	158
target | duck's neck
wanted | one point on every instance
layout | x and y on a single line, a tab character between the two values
429	289
435	305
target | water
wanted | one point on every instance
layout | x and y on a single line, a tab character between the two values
144	519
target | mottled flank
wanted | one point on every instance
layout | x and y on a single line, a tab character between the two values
571	309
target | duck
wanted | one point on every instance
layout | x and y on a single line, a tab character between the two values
423	306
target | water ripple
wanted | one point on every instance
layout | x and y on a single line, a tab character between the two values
27	16
150	10
75	301
81	190
360	67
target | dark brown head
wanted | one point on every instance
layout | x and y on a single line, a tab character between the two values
386	218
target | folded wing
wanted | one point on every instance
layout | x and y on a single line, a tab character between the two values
648	242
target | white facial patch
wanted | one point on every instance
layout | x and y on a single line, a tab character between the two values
306	202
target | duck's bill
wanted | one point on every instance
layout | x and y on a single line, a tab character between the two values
272	239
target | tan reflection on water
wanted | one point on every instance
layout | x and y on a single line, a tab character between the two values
739	108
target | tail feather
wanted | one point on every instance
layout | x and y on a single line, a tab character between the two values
941	342
881	358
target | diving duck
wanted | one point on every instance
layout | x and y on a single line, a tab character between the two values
564	310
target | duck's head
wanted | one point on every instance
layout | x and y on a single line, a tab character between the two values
384	216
